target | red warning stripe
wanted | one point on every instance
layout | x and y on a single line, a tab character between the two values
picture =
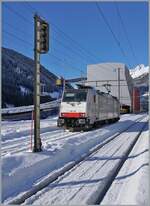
73	114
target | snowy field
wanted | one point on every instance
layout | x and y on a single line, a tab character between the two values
23	170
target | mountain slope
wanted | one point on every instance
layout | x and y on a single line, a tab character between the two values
140	75
18	78
139	71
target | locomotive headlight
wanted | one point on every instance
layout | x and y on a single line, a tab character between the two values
62	114
82	114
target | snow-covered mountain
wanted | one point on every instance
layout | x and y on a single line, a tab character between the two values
18	78
139	71
140	75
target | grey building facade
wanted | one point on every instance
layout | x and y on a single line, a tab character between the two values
105	76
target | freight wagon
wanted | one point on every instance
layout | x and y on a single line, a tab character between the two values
86	107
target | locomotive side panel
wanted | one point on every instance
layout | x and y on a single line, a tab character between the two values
112	106
103	108
97	106
116	108
91	106
107	107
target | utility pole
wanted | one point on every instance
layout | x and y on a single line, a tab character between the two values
41	45
119	88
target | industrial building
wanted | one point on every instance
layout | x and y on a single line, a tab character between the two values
113	78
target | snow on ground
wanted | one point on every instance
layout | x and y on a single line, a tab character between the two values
21	169
87	181
131	184
25	90
12	130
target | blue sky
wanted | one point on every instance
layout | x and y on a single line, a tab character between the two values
78	34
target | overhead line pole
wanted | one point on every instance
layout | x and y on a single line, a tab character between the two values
37	139
119	88
41	46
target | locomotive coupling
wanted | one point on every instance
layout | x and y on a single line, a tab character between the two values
72	122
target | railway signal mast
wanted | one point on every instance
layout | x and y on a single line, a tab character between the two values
41	46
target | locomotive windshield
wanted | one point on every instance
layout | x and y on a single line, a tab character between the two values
75	96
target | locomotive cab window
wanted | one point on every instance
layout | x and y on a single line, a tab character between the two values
75	96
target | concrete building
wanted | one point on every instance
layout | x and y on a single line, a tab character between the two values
105	77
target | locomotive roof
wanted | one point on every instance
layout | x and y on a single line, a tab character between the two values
81	86
106	94
86	88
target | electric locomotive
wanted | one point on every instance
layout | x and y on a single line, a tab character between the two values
86	107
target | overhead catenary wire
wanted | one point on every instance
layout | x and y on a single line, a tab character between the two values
18	29
89	54
59	42
103	67
61	31
70	49
111	31
18	14
125	32
30	7
25	19
30	44
20	39
33	10
66	35
25	44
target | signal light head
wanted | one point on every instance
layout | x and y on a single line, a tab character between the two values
44	36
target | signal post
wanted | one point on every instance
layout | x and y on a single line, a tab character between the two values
41	46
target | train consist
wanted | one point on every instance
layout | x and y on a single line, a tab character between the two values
86	108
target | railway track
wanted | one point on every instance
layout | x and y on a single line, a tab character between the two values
24	146
56	134
52	180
